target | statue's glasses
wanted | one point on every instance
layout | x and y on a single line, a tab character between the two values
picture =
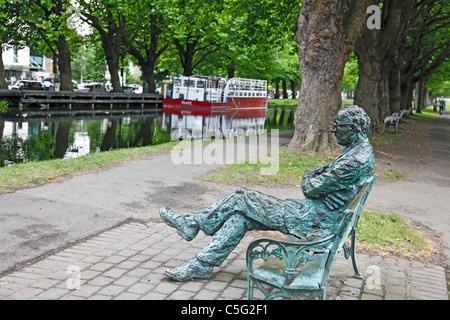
336	124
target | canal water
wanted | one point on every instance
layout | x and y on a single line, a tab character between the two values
24	140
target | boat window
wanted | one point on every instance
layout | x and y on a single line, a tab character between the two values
188	83
177	83
200	84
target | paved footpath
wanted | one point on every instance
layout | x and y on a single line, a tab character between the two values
128	263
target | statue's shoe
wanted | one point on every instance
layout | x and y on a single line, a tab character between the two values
186	226
190	270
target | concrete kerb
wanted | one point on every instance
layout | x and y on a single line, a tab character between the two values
127	262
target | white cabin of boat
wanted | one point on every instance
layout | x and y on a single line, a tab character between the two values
214	89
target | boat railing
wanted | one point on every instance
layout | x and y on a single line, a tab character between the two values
246	88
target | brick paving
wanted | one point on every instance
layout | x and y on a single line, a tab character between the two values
128	263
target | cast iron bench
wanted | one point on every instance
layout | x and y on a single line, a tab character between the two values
406	112
393	120
293	267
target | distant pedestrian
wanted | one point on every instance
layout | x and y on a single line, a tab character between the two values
441	105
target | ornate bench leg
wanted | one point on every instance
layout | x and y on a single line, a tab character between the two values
353	255
249	289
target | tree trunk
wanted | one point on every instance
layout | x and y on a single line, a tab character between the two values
112	39
112	54
113	67
294	92
394	87
373	50
326	36
407	89
149	75
65	70
383	92
2	127
148	62
186	56
421	95
3	84
366	92
277	90
231	70
284	84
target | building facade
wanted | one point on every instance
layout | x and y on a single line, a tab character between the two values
21	63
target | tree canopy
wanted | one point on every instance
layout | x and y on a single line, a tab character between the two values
269	39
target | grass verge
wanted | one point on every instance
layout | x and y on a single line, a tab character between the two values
34	173
294	102
390	232
392	174
426	113
292	166
283	102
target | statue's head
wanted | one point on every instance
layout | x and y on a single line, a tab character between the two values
351	125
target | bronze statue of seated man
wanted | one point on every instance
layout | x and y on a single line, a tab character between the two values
328	190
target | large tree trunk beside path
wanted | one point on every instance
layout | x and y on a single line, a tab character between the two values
327	32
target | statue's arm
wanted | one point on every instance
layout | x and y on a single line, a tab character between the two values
311	173
318	183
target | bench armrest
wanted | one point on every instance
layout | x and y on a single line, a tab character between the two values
292	253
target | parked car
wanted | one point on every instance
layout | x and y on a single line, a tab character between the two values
27	85
91	87
128	88
48	84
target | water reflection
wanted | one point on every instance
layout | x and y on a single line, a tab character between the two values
44	139
38	140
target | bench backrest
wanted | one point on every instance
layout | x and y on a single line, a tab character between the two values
349	220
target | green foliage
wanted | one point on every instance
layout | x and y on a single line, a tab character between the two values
87	64
3	106
350	78
246	38
438	82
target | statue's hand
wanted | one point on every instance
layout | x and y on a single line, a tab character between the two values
311	173
334	201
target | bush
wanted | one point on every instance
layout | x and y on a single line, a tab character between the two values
3	106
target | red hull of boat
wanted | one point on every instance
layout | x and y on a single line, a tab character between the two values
233	108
